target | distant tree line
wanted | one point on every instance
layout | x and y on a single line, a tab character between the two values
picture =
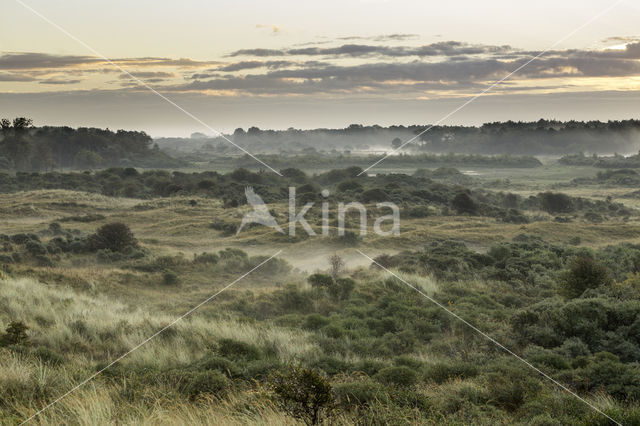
615	161
24	147
542	137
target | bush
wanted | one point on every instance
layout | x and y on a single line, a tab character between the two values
359	394
341	289
15	334
463	203
113	236
198	383
218	363
444	371
230	348
314	322
170	278
320	281
398	376
303	393
552	202
583	273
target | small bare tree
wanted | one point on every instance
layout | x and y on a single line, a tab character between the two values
337	265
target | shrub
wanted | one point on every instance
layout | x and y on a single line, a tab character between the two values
170	278
583	273
230	348
15	334
444	371
398	376
303	393
218	363
386	261
198	383
359	394
463	203
35	248
209	258
341	289
314	322
321	281
374	195
113	236
555	202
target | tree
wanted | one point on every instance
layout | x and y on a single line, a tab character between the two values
42	158
555	202
583	273
113	236
463	203
396	143
321	281
16	145
337	264
303	393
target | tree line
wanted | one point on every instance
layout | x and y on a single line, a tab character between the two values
24	147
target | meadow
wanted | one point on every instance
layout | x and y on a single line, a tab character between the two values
545	260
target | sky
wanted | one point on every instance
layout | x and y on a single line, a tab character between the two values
304	64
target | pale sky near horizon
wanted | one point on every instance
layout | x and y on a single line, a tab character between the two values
279	64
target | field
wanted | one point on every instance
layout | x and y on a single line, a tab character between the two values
319	334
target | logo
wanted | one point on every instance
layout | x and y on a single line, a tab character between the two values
261	215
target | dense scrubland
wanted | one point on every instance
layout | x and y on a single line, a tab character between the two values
93	263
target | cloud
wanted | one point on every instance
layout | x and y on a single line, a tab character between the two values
156	75
13	77
384	37
243	65
42	60
30	60
444	48
58	81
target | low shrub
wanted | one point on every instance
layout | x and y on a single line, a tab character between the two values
399	376
359	394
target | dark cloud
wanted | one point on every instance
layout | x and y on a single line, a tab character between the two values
14	77
29	60
156	75
59	81
243	65
445	48
384	37
454	73
42	60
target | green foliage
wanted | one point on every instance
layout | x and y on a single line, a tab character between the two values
359	394
397	376
320	281
113	236
463	203
555	202
170	278
583	273
197	383
15	334
234	349
303	393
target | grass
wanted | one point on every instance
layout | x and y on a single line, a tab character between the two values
88	313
